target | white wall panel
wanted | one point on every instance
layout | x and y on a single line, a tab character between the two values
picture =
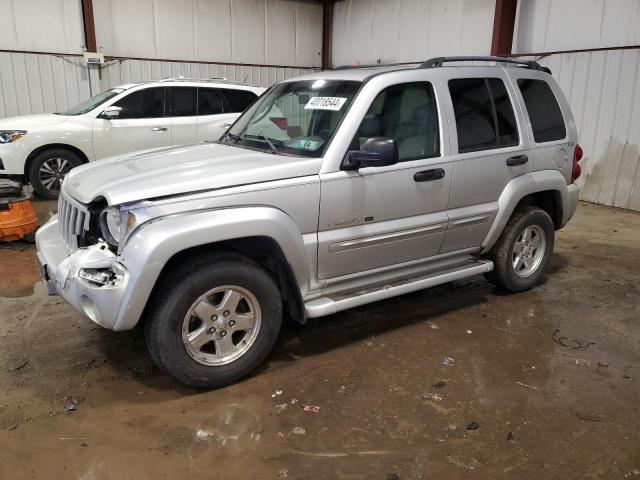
41	25
603	89
35	83
552	25
366	31
272	32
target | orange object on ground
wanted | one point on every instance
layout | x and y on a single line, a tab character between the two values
17	219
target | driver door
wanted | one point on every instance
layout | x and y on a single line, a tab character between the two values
376	217
141	125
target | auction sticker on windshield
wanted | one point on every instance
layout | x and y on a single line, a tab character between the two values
325	103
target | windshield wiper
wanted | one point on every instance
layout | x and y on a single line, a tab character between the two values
232	136
273	148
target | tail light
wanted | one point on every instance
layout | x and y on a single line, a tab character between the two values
577	156
281	122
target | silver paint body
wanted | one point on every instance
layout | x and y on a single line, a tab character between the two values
200	194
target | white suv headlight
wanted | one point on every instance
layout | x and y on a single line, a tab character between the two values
8	136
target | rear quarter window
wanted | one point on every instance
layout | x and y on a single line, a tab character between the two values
238	100
546	118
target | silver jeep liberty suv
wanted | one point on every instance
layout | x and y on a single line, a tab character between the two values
331	191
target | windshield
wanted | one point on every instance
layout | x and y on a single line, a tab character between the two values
294	118
93	102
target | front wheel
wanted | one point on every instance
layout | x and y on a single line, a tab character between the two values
48	169
523	251
214	321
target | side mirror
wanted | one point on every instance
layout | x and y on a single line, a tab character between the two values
376	152
111	112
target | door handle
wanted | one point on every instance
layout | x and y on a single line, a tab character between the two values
159	129
429	175
226	125
517	160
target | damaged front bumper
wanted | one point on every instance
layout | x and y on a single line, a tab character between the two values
91	279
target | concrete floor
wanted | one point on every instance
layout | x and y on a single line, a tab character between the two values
550	376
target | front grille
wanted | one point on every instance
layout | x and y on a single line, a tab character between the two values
73	220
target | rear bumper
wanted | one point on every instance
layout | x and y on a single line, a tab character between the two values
60	270
570	203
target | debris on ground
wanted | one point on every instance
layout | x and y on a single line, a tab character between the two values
84	444
393	476
283	473
527	386
487	315
453	427
439	385
432	396
16	364
342	389
570	342
72	402
469	332
293	401
462	462
582	362
589	417
281	407
510	437
473	426
298	431
311	408
603	364
12	427
279	434
276	393
448	361
433	326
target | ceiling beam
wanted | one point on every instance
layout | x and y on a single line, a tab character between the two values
89	26
504	21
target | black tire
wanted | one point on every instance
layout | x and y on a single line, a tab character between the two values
35	178
504	274
176	295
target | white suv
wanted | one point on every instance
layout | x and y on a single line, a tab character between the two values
41	149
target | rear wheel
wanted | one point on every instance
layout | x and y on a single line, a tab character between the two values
48	169
523	251
214	321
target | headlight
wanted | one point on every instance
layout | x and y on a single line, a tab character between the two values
115	224
111	225
8	136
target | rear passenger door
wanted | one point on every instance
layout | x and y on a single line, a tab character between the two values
218	108
488	151
182	111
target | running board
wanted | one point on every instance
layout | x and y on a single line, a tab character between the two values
322	306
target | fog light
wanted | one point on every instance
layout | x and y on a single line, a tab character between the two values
98	277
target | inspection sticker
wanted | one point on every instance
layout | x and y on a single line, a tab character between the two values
325	103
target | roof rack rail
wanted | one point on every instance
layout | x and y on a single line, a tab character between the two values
439	61
373	65
183	79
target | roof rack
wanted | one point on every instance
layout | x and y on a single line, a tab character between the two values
373	65
183	79
439	61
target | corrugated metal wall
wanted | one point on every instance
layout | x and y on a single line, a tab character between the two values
391	31
603	89
275	32
35	83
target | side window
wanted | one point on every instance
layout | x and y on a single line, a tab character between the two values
484	114
407	113
238	100
147	103
209	101
544	112
183	101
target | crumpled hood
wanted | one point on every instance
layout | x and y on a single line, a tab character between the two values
27	122
180	170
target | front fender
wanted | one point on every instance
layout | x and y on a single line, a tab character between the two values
155	242
523	185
